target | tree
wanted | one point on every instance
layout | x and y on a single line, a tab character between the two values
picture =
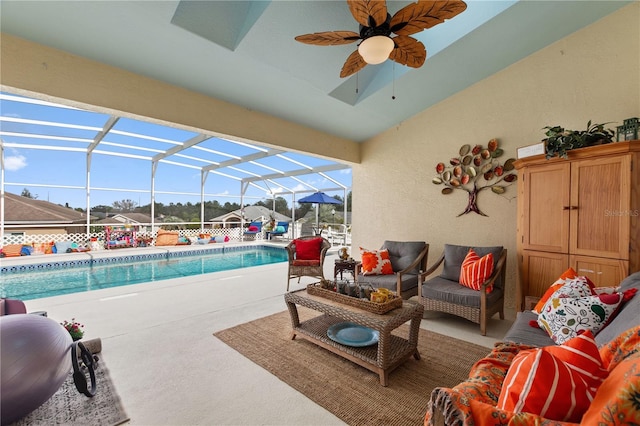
475	170
125	205
27	194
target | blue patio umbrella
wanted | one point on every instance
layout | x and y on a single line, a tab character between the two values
318	198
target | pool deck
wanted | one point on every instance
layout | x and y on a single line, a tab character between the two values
169	369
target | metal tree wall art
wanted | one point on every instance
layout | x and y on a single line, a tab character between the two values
474	170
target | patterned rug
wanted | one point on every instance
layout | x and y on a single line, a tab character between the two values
69	407
349	391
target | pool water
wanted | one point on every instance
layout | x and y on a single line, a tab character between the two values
35	284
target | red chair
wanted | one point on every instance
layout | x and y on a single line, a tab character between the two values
306	257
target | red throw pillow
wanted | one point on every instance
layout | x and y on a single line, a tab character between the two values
475	270
308	249
253	228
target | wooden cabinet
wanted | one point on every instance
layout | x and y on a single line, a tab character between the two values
581	212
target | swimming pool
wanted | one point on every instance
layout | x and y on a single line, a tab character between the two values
55	278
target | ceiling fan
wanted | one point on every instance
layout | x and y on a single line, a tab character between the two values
376	27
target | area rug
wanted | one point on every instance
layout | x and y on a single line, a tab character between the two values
347	390
69	407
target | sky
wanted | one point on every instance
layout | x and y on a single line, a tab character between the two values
58	173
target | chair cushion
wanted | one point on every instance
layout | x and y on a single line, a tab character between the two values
299	262
375	262
438	288
403	253
454	256
475	270
308	249
390	282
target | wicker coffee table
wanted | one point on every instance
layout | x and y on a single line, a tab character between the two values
390	351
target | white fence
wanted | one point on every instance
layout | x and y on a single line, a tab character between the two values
336	234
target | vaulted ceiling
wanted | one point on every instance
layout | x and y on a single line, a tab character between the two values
244	52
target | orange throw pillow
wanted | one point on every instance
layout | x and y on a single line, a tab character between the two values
569	274
555	382
376	262
475	270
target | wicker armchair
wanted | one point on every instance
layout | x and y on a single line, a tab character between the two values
306	257
443	293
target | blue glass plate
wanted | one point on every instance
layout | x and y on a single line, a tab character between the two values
351	334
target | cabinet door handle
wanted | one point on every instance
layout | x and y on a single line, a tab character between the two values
570	208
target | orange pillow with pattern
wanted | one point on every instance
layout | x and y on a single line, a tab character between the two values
566	276
555	382
475	270
376	262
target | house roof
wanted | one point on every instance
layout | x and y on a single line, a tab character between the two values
252	213
23	210
127	217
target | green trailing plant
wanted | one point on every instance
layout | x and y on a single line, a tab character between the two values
560	140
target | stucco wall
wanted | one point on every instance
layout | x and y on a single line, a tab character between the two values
593	74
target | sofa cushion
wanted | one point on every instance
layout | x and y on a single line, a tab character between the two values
556	382
521	332
475	270
403	253
454	256
629	314
452	292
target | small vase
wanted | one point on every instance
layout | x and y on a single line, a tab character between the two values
76	338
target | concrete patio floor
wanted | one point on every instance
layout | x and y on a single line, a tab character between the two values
169	369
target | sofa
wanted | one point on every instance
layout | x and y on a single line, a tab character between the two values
614	398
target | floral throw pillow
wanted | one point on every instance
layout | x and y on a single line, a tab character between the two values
566	317
375	262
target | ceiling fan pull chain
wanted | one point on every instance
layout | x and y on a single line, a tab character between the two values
393	84
357	75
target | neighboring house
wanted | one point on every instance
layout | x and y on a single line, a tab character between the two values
40	217
141	220
251	214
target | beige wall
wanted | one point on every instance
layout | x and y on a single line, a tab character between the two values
593	74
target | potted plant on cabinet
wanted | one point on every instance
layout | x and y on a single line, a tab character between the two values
559	140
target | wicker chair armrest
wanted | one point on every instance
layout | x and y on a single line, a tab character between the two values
501	265
430	270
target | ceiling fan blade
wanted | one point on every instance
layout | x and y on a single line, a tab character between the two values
369	13
408	51
424	14
329	38
353	64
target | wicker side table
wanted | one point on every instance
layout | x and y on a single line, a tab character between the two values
381	358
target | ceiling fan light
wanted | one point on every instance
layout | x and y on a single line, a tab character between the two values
376	49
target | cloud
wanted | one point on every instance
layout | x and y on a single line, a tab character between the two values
15	162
